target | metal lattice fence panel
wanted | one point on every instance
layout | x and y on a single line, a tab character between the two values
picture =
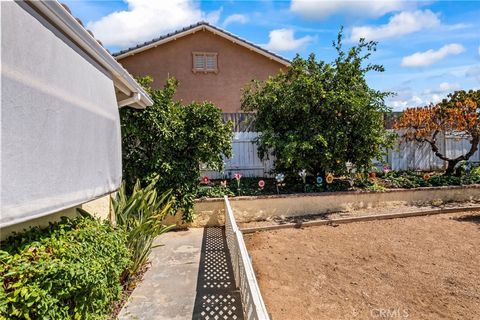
253	305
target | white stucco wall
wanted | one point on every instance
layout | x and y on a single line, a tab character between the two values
60	133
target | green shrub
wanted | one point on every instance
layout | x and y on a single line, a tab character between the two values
172	140
70	270
213	191
318	116
141	216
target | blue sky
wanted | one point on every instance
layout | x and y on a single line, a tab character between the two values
428	48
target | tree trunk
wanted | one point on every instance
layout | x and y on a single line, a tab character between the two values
453	162
451	167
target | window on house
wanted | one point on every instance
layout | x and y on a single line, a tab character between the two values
205	62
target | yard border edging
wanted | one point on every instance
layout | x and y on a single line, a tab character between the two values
360	219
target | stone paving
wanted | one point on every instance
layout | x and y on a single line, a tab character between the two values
191	277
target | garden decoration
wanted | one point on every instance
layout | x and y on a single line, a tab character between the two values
329	178
349	166
279	178
386	168
372	176
261	184
223	183
426	177
205	180
237	177
303	175
351	171
319	181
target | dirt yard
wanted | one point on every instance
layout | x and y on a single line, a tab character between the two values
411	268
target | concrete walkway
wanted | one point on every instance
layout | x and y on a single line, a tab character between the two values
168	290
191	277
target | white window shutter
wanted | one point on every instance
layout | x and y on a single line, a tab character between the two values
199	62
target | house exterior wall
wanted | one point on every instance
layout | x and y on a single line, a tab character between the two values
60	132
237	65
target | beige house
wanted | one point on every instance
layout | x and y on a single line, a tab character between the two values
211	64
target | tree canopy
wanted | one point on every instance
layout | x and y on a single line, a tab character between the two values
318	116
171	140
458	114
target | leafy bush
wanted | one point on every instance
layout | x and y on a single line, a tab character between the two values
70	270
172	140
213	191
411	179
141	216
318	116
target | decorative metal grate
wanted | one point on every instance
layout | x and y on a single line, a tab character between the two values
217	297
252	302
219	306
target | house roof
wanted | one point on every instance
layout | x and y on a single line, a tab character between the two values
194	28
132	93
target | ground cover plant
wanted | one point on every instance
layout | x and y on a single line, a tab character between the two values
376	180
70	270
172	140
82	268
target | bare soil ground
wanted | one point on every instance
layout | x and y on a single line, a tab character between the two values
410	268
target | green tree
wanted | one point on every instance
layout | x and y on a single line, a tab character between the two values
317	115
171	140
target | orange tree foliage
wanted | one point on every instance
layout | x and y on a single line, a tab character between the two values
458	114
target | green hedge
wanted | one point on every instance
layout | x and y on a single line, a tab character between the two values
70	270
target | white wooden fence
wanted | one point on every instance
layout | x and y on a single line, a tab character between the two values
244	159
405	155
416	156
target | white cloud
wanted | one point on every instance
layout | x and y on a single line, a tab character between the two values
398	25
447	87
320	9
284	40
410	100
406	97
473	72
146	19
235	18
417	100
431	56
435	98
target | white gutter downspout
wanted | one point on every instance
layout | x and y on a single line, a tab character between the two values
135	97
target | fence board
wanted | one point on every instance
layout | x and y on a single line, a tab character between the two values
404	156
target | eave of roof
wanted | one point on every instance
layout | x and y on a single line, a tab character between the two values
194	28
68	24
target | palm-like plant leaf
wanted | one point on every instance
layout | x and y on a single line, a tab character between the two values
141	214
